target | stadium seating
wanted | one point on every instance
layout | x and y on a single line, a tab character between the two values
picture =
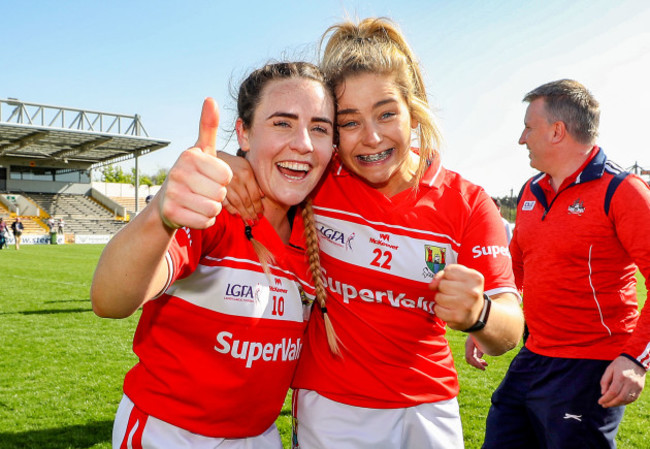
32	225
129	203
82	214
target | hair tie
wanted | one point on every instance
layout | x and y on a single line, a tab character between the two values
249	232
323	309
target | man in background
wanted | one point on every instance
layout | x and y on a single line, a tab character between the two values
578	240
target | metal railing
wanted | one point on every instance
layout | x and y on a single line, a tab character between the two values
15	111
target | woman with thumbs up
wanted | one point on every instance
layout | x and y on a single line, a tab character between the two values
223	310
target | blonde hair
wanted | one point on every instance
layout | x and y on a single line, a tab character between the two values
376	45
311	241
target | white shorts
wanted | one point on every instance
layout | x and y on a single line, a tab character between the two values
320	423
133	429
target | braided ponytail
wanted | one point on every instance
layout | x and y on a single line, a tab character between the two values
263	254
311	240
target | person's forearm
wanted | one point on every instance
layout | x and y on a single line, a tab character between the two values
504	327
132	268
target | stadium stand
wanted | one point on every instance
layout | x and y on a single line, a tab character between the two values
81	213
47	156
129	203
32	225
70	206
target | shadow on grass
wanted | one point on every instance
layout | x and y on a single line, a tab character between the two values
47	312
81	436
87	300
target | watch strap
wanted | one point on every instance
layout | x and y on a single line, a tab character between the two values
483	317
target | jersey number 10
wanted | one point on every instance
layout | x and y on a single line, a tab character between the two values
278	305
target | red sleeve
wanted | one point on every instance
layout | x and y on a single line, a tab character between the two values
485	247
189	245
630	211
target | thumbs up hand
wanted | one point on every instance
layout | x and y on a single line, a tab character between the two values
208	126
195	187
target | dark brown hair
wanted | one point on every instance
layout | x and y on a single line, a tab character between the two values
248	98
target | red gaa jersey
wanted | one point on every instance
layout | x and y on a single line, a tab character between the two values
218	349
378	256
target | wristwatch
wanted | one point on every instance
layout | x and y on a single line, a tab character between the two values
483	316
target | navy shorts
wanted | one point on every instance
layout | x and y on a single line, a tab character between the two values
551	403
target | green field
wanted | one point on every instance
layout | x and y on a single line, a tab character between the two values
61	367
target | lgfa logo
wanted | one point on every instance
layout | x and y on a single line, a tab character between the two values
334	236
239	291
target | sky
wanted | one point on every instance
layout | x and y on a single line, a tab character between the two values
160	59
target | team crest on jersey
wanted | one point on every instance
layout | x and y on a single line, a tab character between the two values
435	258
577	208
307	303
306	300
528	205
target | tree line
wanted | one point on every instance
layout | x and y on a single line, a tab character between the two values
115	173
508	207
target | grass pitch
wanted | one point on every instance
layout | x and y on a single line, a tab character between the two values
62	368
